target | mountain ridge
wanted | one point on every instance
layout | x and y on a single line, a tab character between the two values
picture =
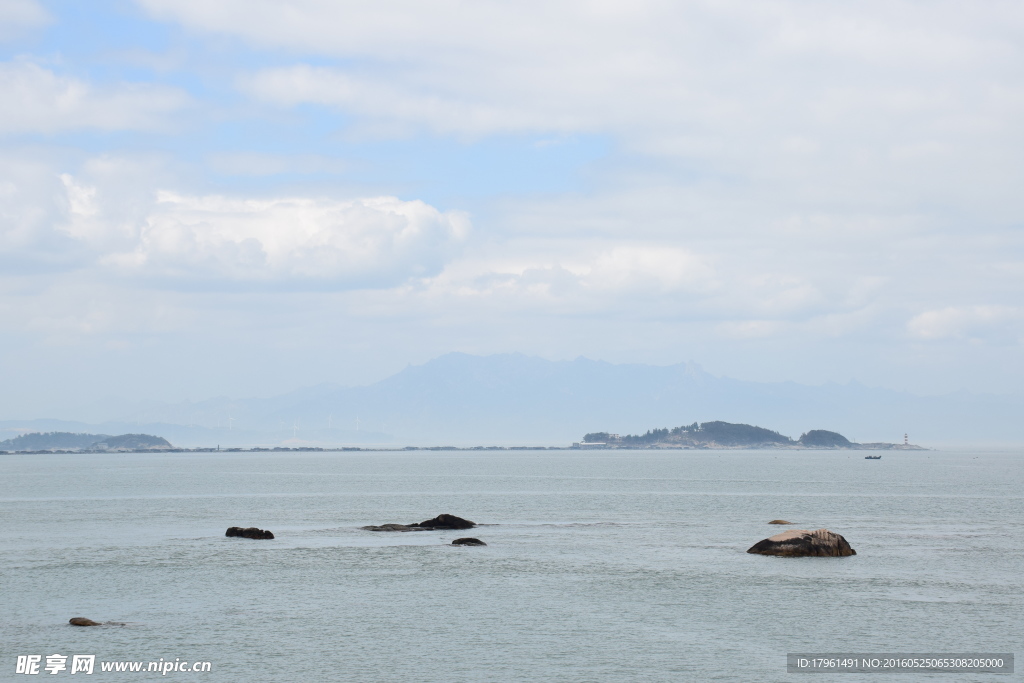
515	399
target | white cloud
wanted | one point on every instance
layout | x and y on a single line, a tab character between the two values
17	16
38	100
371	242
109	218
32	202
992	322
396	107
629	279
660	269
595	278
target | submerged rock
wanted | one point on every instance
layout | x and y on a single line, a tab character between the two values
803	543
391	527
82	621
468	541
248	532
444	521
779	521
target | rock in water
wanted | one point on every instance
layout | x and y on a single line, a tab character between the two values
391	527
803	543
249	532
446	522
439	522
82	621
779	521
468	541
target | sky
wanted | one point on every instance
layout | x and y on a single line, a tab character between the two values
245	197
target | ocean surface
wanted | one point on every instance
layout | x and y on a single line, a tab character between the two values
600	566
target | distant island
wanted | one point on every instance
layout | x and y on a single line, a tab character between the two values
728	435
72	442
709	435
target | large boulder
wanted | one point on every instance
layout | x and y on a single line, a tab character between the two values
468	541
803	543
446	522
779	521
248	532
440	522
82	621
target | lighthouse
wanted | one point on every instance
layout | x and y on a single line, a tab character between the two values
906	441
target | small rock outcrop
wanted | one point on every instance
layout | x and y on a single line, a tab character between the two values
82	621
248	532
803	543
779	521
468	541
444	521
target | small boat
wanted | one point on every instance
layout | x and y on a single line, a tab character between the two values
872	457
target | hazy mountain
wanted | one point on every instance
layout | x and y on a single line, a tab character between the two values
515	399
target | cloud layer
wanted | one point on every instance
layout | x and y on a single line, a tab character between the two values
882	103
780	190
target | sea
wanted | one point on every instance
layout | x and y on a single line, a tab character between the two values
599	565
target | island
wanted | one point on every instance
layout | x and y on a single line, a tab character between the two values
727	435
39	442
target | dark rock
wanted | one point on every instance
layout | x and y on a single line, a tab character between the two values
802	543
82	621
439	522
779	521
249	532
468	541
446	522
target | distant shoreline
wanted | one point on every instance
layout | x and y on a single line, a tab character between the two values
485	449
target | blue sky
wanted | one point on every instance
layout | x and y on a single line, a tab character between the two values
242	198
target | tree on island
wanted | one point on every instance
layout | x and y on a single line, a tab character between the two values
729	434
44	441
820	438
596	437
132	442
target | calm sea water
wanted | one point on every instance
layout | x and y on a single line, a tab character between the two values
627	566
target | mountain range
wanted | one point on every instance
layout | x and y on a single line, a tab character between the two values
513	399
